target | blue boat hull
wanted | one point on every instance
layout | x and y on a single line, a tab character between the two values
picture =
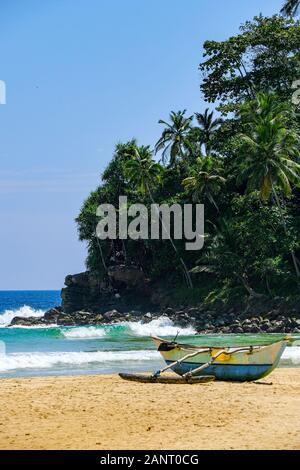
236	372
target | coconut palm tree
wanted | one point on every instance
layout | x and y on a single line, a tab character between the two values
208	126
143	170
206	181
290	7
269	159
174	137
146	173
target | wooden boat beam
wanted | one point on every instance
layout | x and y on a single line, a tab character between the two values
188	356
204	366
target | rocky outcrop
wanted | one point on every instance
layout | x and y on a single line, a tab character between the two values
49	318
125	289
80	292
128	297
52	315
79	319
29	321
202	320
126	276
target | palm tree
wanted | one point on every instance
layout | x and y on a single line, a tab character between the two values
145	172
290	7
208	126
206	181
174	137
269	158
223	256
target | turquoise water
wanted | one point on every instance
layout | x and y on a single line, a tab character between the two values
90	350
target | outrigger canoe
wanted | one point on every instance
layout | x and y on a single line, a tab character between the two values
241	364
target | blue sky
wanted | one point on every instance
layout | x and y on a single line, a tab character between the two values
81	76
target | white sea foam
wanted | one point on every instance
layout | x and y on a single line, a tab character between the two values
21	361
88	332
24	312
33	327
163	326
291	356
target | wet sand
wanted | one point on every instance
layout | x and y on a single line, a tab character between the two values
104	412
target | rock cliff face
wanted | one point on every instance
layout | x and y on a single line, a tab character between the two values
127	289
127	297
80	293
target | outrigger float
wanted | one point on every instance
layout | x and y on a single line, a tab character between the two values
194	364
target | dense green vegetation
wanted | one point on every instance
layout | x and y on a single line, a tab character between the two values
241	159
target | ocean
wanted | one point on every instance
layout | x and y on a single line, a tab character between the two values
81	350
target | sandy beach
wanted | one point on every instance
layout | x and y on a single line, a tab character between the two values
104	412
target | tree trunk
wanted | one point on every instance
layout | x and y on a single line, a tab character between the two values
124	251
268	287
212	200
184	267
245	284
295	261
101	253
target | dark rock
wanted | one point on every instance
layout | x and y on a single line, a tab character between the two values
180	313
52	315
230	318
169	311
275	313
81	279
30	321
98	319
247	328
147	318
135	313
238	330
82	318
193	312
112	315
65	320
127	275
255	329
278	327
265	325
210	313
226	329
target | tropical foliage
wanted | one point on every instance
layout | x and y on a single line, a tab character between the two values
241	160
174	137
290	7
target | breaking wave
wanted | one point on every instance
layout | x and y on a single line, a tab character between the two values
291	356
84	332
21	361
24	312
161	327
37	360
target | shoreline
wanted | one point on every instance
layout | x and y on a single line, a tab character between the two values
202	323
103	412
